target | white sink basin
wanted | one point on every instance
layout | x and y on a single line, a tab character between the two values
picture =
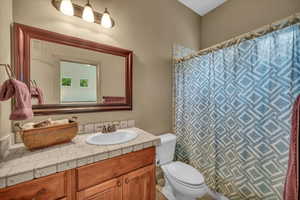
118	137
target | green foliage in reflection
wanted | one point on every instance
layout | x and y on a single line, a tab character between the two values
66	81
84	83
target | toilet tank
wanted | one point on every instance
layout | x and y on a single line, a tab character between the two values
165	152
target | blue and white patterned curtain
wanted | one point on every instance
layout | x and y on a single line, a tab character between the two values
233	111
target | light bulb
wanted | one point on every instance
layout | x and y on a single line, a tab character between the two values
106	21
88	13
66	7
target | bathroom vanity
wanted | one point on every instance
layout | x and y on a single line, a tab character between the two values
113	172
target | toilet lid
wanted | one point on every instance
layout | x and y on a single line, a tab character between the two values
185	173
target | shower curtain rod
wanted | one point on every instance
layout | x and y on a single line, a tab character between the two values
291	20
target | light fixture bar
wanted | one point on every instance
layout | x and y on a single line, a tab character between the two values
78	10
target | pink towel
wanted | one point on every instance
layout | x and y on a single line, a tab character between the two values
22	108
291	188
37	92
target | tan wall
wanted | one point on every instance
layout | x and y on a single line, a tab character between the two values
149	28
5	21
236	17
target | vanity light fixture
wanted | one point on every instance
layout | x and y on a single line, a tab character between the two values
106	21
66	7
86	13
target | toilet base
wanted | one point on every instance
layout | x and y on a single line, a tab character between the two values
169	194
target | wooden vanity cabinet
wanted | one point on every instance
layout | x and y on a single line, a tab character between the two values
109	190
53	187
126	177
137	185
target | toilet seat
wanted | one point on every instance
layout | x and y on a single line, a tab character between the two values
185	174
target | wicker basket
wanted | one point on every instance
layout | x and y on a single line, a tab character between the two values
48	136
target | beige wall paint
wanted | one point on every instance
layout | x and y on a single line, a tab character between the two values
236	17
5	21
149	28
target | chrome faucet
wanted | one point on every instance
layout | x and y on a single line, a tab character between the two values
109	129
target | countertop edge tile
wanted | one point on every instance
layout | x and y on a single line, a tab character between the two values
67	165
2	182
19	178
45	171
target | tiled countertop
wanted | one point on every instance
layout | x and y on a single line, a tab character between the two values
22	165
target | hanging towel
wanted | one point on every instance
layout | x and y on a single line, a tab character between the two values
22	108
291	188
37	92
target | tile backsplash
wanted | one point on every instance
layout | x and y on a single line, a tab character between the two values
123	124
93	127
98	126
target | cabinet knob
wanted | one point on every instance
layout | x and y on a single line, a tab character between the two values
126	180
40	192
119	184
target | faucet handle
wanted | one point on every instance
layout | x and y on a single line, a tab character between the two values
111	128
104	129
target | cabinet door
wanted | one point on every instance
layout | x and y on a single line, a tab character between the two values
99	172
51	187
140	184
110	190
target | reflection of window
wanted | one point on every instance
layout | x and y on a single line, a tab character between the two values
66	81
84	83
78	82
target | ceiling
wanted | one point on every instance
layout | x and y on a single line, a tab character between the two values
202	7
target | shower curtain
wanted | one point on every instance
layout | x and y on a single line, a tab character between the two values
233	112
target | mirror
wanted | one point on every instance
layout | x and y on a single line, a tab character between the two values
73	75
69	75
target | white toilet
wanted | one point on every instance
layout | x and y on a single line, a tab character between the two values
182	181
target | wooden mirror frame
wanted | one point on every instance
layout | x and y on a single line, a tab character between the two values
21	59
